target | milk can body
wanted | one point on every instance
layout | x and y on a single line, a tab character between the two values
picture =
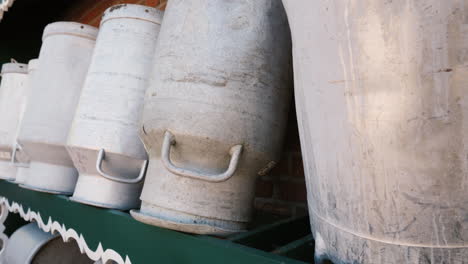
30	244
381	99
20	159
110	109
64	59
12	100
214	113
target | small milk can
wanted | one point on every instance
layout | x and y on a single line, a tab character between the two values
29	245
381	97
215	112
24	244
64	59
103	141
19	157
12	99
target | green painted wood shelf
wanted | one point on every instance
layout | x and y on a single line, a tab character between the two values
278	242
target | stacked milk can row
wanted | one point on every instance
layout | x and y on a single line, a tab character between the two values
182	114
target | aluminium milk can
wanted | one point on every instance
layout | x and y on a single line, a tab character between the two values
215	112
19	158
64	59
103	141
29	244
381	95
12	99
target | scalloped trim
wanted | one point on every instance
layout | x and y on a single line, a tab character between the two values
54	226
4	5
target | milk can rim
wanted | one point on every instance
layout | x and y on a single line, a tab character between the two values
13	67
70	28
133	11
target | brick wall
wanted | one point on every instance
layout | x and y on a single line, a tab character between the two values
283	190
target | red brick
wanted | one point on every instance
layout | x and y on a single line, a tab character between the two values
153	3
273	207
282	169
292	191
264	188
94	12
76	11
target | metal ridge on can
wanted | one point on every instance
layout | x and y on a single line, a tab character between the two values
70	28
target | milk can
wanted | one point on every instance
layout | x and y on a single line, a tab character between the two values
24	244
29	244
381	100
19	158
64	59
103	141
214	113
12	100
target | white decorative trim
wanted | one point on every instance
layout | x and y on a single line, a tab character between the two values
53	226
4	5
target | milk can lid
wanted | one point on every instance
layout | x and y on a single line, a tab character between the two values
140	12
32	64
14	67
70	28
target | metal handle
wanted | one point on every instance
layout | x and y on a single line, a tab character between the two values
13	157
169	140
101	157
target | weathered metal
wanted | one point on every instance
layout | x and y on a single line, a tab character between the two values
381	102
19	158
103	141
64	59
12	100
31	245
215	112
24	244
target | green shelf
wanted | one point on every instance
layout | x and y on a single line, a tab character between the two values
139	243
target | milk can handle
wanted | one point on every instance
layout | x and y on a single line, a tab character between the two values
13	157
169	140
101	157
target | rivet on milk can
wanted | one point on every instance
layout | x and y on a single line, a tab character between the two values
215	112
64	59
103	141
381	97
19	158
12	100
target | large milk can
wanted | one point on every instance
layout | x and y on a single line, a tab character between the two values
381	94
215	112
64	59
12	99
103	141
19	158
